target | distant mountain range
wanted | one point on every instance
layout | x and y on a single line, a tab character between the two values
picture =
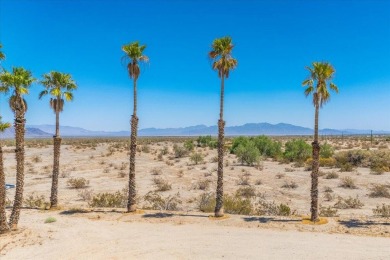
45	131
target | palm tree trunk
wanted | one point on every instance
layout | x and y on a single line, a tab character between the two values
19	153
315	168
56	171
56	160
221	126
3	217
131	203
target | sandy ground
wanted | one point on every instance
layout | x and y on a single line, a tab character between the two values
158	235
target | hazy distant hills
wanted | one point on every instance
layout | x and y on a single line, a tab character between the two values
45	131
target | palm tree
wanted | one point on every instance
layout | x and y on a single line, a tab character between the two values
223	62
18	82
4	227
59	86
317	84
2	56
134	55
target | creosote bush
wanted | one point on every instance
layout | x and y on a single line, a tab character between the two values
332	175
77	183
156	202
35	201
117	199
382	211
348	183
328	212
379	191
246	192
196	158
232	204
348	203
161	184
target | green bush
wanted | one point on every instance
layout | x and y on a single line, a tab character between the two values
247	153
297	150
196	158
348	203
189	145
267	147
231	204
326	151
206	141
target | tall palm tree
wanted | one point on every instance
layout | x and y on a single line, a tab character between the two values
18	81
4	227
223	62
59	86
317	84
134	54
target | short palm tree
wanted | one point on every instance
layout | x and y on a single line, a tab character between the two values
134	55
60	86
223	62
321	74
18	82
4	227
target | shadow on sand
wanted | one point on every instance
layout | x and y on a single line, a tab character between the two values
269	219
355	223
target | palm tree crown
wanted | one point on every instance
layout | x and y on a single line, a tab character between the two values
59	86
2	56
221	54
19	82
320	74
134	52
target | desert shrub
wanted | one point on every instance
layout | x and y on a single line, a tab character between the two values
354	158
328	189
37	159
258	182
85	195
246	192
179	151
207	141
161	184
157	202
109	200
382	211
379	190
156	171
267	147
380	162
241	140
326	151
145	148
348	183
297	150
231	204
348	203
64	174
189	145
77	183
164	150
328	212
35	201
196	158
332	175
247	153
290	185
202	185
50	220
265	208
243	180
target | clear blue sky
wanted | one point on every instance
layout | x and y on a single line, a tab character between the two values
274	41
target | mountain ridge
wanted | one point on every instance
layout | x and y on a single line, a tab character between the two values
45	131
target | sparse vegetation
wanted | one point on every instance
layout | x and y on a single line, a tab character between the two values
77	183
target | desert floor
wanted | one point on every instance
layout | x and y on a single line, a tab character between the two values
82	232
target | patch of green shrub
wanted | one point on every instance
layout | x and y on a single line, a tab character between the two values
109	200
297	150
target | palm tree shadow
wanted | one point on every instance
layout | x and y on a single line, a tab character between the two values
268	219
158	215
355	223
